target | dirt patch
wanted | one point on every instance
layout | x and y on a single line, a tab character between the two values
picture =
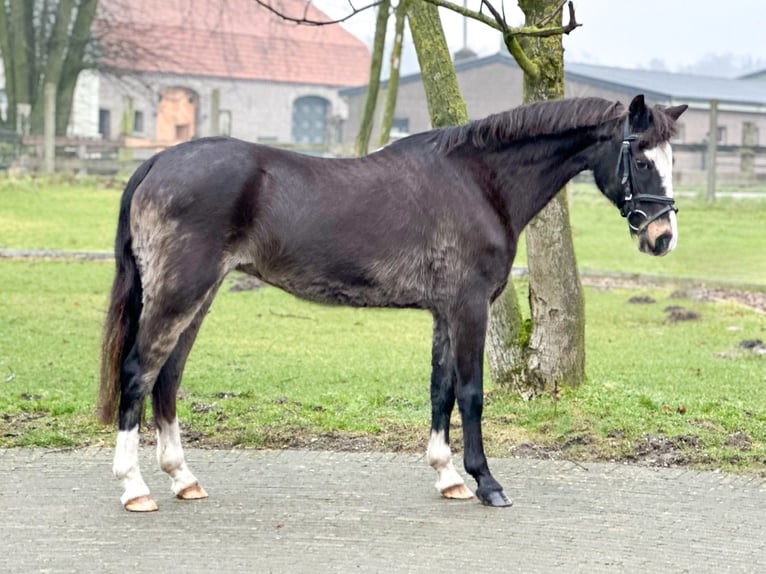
641	300
738	440
676	313
755	298
664	451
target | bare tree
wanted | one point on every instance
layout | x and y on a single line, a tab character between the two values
44	42
373	86
392	90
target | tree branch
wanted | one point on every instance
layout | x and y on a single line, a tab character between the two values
498	21
306	21
549	18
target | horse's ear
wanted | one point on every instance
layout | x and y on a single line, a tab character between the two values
676	111
638	114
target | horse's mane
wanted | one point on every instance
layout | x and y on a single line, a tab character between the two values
529	121
540	119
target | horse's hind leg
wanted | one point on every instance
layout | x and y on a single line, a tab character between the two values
170	455
439	454
168	312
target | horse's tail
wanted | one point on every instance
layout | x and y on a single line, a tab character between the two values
121	326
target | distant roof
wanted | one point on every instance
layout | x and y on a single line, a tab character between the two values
460	66
670	85
653	84
231	38
757	75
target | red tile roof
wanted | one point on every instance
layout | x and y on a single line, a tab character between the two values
231	38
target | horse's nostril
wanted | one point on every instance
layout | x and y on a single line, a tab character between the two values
662	243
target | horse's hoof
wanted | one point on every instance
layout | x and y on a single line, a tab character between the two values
141	504
458	491
193	492
495	498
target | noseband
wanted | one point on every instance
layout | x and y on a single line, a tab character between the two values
638	220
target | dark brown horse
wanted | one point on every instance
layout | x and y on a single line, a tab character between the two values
429	222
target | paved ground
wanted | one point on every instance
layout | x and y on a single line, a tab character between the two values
296	511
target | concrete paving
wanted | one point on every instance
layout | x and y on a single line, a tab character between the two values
298	511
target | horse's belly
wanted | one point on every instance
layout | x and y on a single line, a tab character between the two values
349	288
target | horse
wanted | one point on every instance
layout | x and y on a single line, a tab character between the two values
429	222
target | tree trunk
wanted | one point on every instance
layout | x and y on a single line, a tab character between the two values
556	349
74	63
507	337
55	51
445	102
21	46
393	79
6	53
371	99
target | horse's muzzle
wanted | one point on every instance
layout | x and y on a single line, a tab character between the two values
657	238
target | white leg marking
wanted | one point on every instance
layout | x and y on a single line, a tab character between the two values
170	456
125	466
439	457
662	157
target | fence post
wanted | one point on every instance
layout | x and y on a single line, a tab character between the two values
215	112
712	148
747	153
49	128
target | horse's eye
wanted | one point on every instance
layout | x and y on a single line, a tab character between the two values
641	164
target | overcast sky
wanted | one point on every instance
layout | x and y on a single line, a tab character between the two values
702	36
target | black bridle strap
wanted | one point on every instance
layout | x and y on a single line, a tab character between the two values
624	170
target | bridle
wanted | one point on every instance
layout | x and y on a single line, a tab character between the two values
638	220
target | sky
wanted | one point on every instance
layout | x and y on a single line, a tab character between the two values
711	37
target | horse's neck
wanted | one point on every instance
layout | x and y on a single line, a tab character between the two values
529	177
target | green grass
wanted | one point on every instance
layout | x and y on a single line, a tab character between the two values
269	370
723	241
56	214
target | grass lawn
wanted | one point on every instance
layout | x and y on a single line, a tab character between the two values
269	370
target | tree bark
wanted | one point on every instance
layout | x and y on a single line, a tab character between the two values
371	99
393	79
555	352
22	83
507	337
55	50
6	53
446	106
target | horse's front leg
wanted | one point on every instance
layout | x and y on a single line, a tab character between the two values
469	331
439	454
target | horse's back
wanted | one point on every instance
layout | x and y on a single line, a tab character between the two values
375	231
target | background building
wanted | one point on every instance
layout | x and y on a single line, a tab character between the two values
233	68
494	83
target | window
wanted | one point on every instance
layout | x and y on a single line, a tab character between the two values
138	122
750	136
721	136
400	127
104	121
310	120
183	132
224	122
680	133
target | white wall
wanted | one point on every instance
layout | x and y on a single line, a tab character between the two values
84	119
